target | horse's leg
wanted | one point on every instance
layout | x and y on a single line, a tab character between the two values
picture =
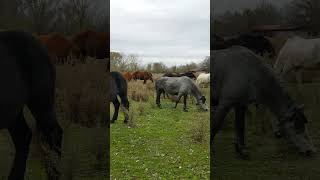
185	103
51	133
240	112
178	100
21	137
144	81
125	103
116	104
219	114
158	98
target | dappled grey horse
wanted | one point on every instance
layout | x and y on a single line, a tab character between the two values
180	86
27	77
241	78
118	87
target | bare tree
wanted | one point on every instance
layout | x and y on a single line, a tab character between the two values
305	12
41	12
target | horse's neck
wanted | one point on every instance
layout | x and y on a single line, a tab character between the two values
196	92
280	104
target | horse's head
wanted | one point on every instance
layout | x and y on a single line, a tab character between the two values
202	103
294	128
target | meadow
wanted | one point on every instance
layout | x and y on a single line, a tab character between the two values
158	143
270	158
80	106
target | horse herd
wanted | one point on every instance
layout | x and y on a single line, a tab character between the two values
240	78
79	46
175	84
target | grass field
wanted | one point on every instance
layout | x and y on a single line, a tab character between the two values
160	143
271	158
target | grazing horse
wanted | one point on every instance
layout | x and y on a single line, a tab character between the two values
181	86
240	79
142	75
203	78
27	76
119	87
127	75
171	75
59	48
92	43
188	74
256	43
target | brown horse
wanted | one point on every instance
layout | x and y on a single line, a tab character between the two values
142	75
59	48
127	75
92	43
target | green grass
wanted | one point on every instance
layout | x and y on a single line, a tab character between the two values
270	158
162	144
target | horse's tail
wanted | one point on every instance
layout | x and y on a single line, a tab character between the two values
121	87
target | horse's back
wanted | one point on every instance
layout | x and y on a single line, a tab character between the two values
26	73
119	83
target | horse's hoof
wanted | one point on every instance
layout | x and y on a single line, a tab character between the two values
185	110
112	121
125	121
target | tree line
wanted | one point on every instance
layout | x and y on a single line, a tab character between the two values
47	16
297	12
130	62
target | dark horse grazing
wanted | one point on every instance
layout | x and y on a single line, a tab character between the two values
256	43
241	78
180	86
28	78
188	74
119	87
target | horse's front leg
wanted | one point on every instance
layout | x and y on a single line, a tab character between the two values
158	98
116	104
240	130
21	137
178	100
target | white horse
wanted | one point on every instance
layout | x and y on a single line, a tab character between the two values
203	78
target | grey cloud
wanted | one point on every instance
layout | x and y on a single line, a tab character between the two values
158	30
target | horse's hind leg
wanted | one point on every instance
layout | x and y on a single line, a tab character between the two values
21	137
185	103
116	104
125	104
158	98
51	133
240	112
219	115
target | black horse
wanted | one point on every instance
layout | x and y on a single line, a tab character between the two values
256	43
28	79
119	87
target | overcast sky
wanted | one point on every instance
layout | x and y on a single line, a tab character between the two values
171	31
224	5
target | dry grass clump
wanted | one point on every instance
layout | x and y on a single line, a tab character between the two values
198	133
81	92
140	92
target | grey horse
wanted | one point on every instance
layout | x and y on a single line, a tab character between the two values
241	78
180	86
